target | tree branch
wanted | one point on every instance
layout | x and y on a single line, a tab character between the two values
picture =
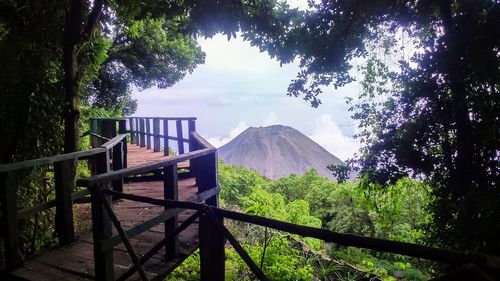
92	20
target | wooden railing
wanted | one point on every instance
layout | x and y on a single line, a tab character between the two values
203	166
65	194
153	132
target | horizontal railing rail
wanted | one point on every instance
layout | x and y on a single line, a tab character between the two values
78	155
168	118
114	141
154	133
50	160
145	168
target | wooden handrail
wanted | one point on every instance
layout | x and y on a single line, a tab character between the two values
61	157
115	175
98	136
167	118
200	140
160	135
114	141
207	148
377	244
49	160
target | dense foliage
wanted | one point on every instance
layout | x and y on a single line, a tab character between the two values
121	52
315	201
435	115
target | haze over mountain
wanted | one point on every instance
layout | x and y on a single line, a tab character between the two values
277	151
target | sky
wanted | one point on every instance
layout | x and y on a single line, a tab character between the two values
240	87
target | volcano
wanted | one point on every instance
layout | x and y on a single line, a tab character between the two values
277	151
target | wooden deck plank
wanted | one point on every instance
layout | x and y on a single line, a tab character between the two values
75	261
137	155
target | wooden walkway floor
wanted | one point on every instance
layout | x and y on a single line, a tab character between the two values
75	262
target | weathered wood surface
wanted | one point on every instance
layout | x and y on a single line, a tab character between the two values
140	155
76	262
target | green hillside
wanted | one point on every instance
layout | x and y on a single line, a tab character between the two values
352	207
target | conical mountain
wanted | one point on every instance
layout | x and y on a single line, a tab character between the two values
277	151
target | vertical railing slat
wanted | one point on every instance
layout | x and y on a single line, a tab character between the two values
211	239
170	191
148	133
118	165
166	147
8	197
142	134
132	129
191	129
101	225
180	137
64	186
122	129
212	257
137	130
156	134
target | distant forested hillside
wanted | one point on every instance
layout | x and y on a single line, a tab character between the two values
312	200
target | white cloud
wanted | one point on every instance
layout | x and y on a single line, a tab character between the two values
271	119
220	141
327	134
299	4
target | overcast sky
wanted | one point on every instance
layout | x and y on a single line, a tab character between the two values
239	87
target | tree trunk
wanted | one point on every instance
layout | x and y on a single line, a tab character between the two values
71	114
462	174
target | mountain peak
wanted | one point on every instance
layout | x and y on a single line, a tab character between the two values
277	151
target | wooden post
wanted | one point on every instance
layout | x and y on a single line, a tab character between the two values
122	126
193	163
101	225
180	137
166	147
156	134
8	198
93	129
212	257
122	129
108	128
131	125
142	141
64	186
124	153
206	176
148	133
211	239
98	130
118	165
137	135
191	129
171	191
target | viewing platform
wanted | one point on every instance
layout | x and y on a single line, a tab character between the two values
146	226
75	261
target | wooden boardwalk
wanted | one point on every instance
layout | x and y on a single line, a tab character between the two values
75	261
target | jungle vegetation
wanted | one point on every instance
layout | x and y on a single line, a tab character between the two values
433	116
358	207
